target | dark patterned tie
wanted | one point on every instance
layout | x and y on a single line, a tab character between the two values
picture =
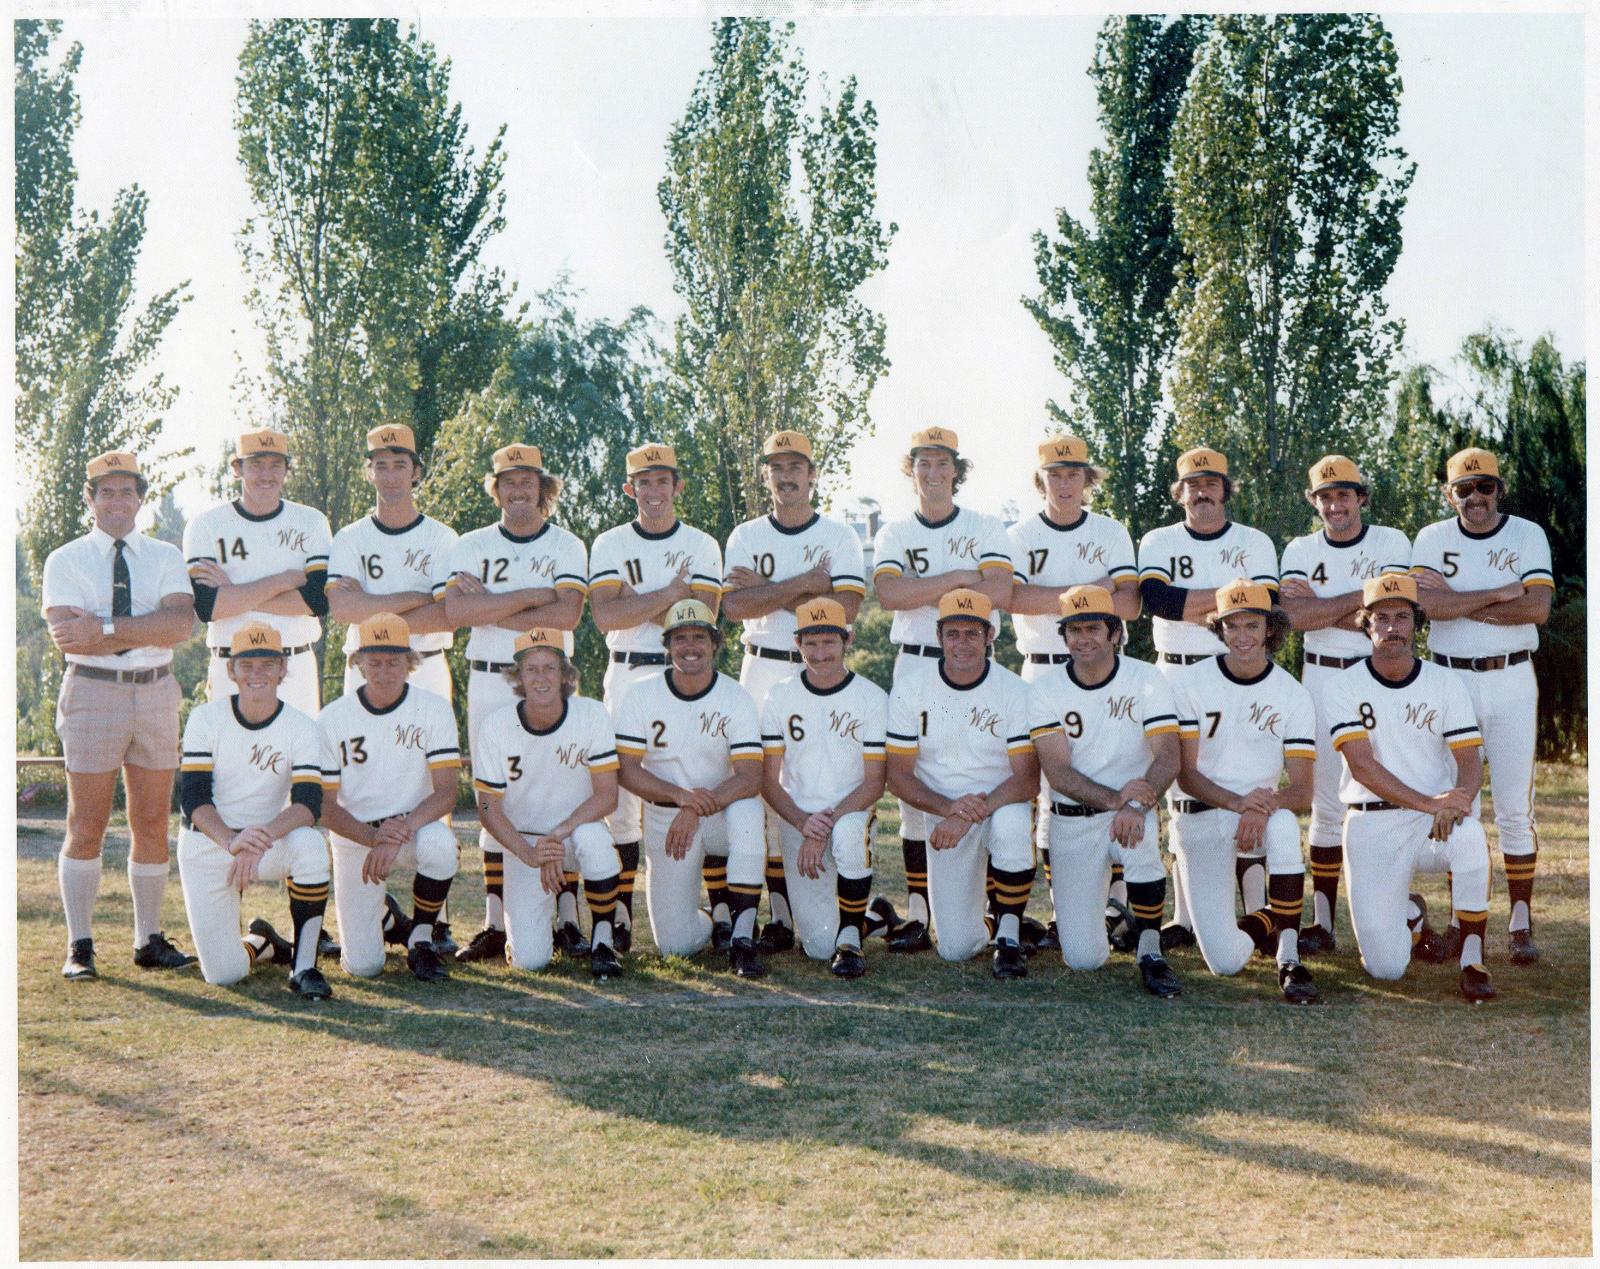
121	587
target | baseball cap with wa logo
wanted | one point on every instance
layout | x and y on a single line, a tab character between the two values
786	443
1335	471
1063	451
1087	603
115	462
385	632
688	612
391	436
820	616
1243	595
652	457
935	438
533	640
964	603
1468	464
266	441
1201	462
257	639
1389	586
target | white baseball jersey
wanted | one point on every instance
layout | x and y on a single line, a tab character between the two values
1178	556
777	554
689	741
964	539
253	765
1337	568
1413	725
1246	727
381	762
1109	725
505	561
1517	550
543	775
251	547
826	736
1044	553
962	737
387	561
648	561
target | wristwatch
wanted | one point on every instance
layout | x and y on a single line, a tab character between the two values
1133	804
108	628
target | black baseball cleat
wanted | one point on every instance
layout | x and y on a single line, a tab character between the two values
569	941
1174	935
722	936
603	962
1521	948
1261	934
1159	980
1426	944
1050	941
1009	962
1475	984
282	949
425	963
327	945
1120	933
1450	944
912	936
622	936
397	929
158	953
488	944
1030	934
442	941
80	961
848	962
309	984
1317	940
743	961
1294	981
881	917
776	937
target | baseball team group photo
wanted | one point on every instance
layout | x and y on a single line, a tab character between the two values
498	782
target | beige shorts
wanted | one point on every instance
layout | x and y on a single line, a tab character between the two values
105	725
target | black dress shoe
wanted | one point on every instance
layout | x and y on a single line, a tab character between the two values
1294	981
1159	980
1521	948
1009	962
157	953
488	944
743	961
310	984
397	929
776	937
80	961
282	949
603	962
881	917
1174	935
1316	940
912	936
722	936
327	945
622	937
569	941
1475	984
425	963
442	941
848	962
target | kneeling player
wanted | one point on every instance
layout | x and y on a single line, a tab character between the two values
546	776
1106	733
822	730
390	755
959	750
251	792
1243	722
1413	766
690	746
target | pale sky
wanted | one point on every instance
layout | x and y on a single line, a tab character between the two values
984	130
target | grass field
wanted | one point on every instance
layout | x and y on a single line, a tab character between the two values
923	1111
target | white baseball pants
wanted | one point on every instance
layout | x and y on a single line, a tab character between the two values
957	899
431	852
815	902
531	909
1204	849
1081	855
672	887
1507	704
621	678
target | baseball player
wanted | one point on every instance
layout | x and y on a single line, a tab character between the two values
1106	733
690	746
116	603
262	558
1181	567
1244	722
390	756
959	752
1065	545
775	563
917	561
1413	767
1484	579
523	572
637	572
823	734
545	771
1323	575
251	792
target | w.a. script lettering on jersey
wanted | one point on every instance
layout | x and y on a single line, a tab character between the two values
962	737
379	762
647	561
387	561
250	547
776	553
252	766
1179	556
1337	568
825	736
1109	725
1245	727
1516	551
505	561
1044	553
1414	725
916	547
690	740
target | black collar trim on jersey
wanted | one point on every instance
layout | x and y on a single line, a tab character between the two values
1222	664
936	524
968	687
361	695
799	528
1083	518
655	537
1480	537
1409	679
1355	541
673	687
827	691
1116	664
238	505
1206	537
540	731
246	724
520	538
381	527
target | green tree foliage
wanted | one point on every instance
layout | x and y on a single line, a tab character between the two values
771	231
1288	189
83	347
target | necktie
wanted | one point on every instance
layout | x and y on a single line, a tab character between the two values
121	586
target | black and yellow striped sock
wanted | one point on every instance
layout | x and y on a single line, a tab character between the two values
427	897
1325	864
494	890
1118	888
851	895
1287	895
1473	924
778	891
714	874
1146	899
742	904
602	898
307	907
915	854
1258	925
1011	891
1519	888
628	853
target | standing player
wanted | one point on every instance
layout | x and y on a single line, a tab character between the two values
117	602
523	572
690	747
1413	769
1181	567
262	558
916	561
638	571
1106	733
1243	723
546	775
775	563
1323	575
959	753
1484	580
251	792
823	732
390	757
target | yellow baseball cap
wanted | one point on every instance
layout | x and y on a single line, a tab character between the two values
532	640
935	438
114	462
1389	586
1201	462
385	632
257	639
1469	464
391	436
512	458
816	615
1243	595
688	612
1335	471
652	457
787	443
265	441
1086	603
963	602
1064	451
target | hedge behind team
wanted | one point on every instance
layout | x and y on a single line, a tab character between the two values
117	601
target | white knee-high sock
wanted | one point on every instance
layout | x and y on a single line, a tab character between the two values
149	885
80	886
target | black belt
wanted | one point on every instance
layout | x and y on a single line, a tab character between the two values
1374	806
492	667
288	652
1333	663
640	658
772	654
1480	664
1184	658
431	652
152	675
1061	808
1189	806
1049	658
921	649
